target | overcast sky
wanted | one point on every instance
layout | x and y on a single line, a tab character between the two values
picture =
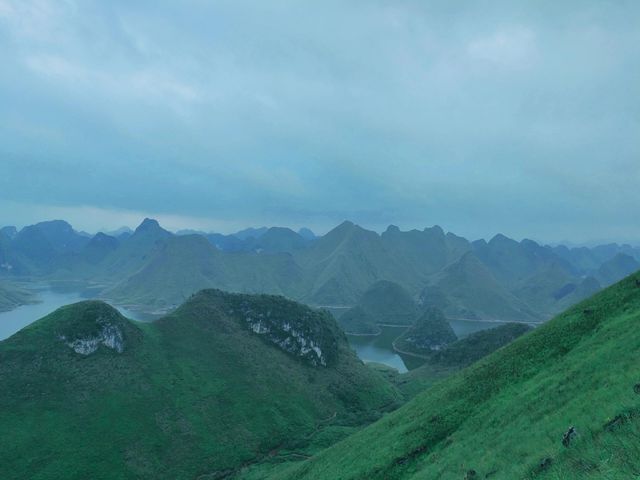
482	117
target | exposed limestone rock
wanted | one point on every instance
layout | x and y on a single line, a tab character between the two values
290	338
109	335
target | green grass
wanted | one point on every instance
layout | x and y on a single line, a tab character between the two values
195	393
505	414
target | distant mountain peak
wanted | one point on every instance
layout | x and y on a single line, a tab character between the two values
501	239
9	231
307	233
251	232
435	228
346	224
147	225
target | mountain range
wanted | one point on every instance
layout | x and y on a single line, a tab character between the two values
154	269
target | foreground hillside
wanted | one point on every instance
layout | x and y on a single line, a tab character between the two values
510	415
225	379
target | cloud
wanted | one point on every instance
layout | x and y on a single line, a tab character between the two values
512	48
480	117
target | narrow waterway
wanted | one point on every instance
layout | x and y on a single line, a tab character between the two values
48	301
379	348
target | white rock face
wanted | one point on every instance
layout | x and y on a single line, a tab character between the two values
110	336
286	336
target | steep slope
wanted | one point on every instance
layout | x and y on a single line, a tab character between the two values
307	234
389	303
616	268
585	288
134	251
531	272
510	415
455	356
430	332
340	266
384	303
425	252
222	381
357	321
179	267
182	265
513	262
278	240
39	249
98	248
467	289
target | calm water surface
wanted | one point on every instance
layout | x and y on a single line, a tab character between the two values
18	318
379	348
369	348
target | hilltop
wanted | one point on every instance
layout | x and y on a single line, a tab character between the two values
575	379
221	382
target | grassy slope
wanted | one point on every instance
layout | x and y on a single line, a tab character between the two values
194	393
457	355
504	414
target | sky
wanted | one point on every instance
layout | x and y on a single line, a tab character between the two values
482	117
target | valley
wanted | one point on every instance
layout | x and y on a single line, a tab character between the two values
379	240
191	381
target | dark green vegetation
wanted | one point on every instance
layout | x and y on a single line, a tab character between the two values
510	414
225	380
454	356
472	348
153	269
430	332
12	296
385	303
357	321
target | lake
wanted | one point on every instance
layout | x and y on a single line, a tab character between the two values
369	348
18	318
379	348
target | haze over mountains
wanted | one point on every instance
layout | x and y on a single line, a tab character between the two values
152	268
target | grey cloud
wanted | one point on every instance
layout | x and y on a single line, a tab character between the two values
481	117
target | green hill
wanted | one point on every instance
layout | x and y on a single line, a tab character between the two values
454	356
357	321
430	332
182	265
389	303
619	266
134	251
383	303
340	266
423	252
278	240
510	415
468	289
223	381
